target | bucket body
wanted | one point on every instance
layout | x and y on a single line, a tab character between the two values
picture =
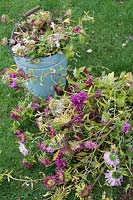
45	75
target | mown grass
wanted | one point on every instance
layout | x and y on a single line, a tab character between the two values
112	28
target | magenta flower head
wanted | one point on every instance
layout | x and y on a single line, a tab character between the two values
79	99
60	176
90	145
60	163
126	127
50	182
86	191
13	84
113	177
77	29
111	159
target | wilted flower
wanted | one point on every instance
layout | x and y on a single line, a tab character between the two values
86	191
114	177
27	164
3	41
14	115
90	145
50	182
111	158
3	18
126	127
23	149
44	162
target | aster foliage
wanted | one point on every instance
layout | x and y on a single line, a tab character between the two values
79	136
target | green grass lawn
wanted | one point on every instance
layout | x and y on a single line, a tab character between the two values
112	28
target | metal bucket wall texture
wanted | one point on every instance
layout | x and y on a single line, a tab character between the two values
45	75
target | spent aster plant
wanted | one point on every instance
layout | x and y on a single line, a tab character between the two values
43	34
80	135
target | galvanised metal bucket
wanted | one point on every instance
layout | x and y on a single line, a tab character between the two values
45	75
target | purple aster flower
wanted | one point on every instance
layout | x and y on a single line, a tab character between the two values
113	177
126	127
79	99
90	145
42	146
111	158
27	164
20	135
22	149
50	182
60	163
60	176
35	105
76	29
45	162
86	191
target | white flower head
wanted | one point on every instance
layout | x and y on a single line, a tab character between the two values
23	149
113	177
111	159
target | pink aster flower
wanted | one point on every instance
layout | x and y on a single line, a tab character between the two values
51	130
126	127
20	135
111	158
42	146
90	145
113	177
23	149
60	176
49	150
45	162
50	182
27	164
35	105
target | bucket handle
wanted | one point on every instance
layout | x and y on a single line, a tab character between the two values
31	11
